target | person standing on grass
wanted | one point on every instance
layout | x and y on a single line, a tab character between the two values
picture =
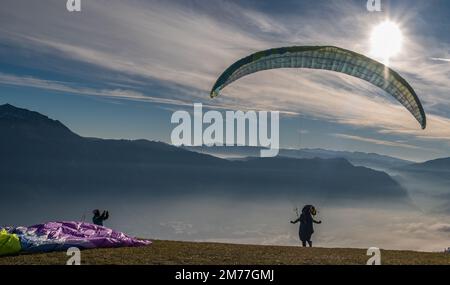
306	224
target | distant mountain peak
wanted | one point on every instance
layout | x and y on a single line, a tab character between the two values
31	123
8	111
440	164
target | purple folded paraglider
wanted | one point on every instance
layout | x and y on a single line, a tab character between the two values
55	236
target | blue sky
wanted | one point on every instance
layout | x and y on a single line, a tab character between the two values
118	69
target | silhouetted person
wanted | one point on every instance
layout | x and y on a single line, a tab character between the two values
306	224
98	218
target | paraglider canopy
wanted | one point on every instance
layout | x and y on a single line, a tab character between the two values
327	58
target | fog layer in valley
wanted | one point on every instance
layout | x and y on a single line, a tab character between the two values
254	222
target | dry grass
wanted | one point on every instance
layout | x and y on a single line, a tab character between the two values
190	253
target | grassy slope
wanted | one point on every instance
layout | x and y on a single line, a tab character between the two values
173	252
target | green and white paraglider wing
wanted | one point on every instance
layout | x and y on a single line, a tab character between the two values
326	58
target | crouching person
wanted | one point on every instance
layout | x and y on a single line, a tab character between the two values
98	218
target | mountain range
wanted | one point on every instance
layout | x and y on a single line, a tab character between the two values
370	160
42	157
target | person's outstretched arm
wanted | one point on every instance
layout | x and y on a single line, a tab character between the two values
105	215
296	221
317	222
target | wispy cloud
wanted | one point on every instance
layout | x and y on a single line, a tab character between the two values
376	141
441	59
186	46
120	94
27	81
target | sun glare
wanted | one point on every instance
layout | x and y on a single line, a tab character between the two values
386	41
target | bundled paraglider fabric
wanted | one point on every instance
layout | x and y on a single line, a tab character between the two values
9	243
55	236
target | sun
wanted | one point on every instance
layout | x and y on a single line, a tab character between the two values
386	41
